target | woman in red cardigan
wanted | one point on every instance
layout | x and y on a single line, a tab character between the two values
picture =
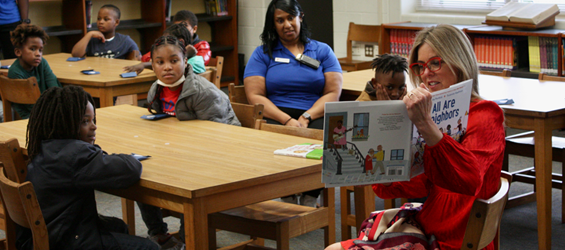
456	173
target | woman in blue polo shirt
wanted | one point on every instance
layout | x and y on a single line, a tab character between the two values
292	92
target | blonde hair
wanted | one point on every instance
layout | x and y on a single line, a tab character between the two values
455	49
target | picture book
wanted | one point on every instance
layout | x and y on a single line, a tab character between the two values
375	142
305	150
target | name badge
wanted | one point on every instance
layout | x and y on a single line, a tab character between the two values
282	60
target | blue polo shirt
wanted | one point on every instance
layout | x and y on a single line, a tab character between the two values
9	12
293	84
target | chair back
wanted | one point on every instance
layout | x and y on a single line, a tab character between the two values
545	77
237	94
23	91
503	73
249	115
484	220
362	33
20	202
316	134
15	160
215	66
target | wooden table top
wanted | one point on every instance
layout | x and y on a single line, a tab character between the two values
110	70
531	97
192	158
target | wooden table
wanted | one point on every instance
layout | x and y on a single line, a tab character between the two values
106	85
538	106
202	167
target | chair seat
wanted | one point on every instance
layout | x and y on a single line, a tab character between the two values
353	65
259	220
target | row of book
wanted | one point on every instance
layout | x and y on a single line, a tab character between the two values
401	41
543	54
496	53
216	7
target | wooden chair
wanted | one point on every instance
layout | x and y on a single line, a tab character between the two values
14	160
276	220
23	91
503	73
249	115
359	33
483	225
23	208
237	94
216	66
523	144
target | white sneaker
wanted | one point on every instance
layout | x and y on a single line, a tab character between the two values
290	199
167	241
309	201
173	244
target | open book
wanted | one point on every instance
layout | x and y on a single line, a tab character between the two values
383	144
305	150
532	13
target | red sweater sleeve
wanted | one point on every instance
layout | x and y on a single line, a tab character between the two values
203	49
146	57
459	167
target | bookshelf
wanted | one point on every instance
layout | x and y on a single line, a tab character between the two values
150	26
521	49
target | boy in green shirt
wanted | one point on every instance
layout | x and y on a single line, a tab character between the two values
28	41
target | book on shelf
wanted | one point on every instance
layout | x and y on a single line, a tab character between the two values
88	13
168	6
375	142
531	13
304	150
216	7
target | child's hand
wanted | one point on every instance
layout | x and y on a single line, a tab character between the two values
97	34
381	93
190	51
138	68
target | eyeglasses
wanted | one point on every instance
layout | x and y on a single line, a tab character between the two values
434	64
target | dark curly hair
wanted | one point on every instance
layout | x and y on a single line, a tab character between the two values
186	15
24	31
389	63
57	114
114	8
270	37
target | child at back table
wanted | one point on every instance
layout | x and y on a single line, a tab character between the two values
28	41
105	42
65	169
190	21
180	32
389	82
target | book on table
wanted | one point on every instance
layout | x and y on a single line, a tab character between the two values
532	13
304	150
375	142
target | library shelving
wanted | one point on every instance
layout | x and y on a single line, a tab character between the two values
510	45
150	26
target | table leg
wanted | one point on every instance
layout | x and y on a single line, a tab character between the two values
195	225
364	203
329	202
128	214
542	138
106	97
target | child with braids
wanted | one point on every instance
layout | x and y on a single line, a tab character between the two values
65	169
181	93
180	32
389	82
28	41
